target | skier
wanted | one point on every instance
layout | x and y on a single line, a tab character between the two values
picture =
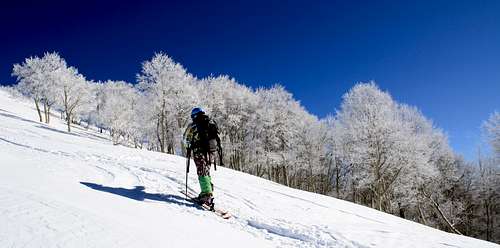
202	139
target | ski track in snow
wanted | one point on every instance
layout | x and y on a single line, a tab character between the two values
148	183
53	224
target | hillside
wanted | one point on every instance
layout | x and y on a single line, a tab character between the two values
60	189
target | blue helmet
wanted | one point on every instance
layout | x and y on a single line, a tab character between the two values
196	111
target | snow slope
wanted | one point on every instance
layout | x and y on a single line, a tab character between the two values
60	189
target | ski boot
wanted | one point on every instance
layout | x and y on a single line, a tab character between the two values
206	199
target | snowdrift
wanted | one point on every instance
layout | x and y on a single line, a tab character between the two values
60	189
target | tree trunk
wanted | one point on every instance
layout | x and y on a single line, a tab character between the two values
162	131
353	191
422	216
337	179
285	176
450	225
380	200
48	113
158	136
66	109
38	110
488	219
68	115
46	110
170	148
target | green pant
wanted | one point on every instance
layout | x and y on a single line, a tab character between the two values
203	163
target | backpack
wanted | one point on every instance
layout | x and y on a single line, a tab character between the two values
205	134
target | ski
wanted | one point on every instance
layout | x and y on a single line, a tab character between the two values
222	213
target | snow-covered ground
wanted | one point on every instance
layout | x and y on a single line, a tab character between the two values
60	189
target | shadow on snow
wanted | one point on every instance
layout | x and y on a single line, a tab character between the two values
138	194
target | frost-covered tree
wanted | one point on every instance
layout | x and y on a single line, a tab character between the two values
95	116
87	111
418	146
233	107
54	67
486	190
284	131
48	80
486	184
339	169
396	160
73	93
38	77
310	158
171	95
372	140
387	146
276	112
117	106
29	80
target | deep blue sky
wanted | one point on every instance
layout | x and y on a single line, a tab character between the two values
441	56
